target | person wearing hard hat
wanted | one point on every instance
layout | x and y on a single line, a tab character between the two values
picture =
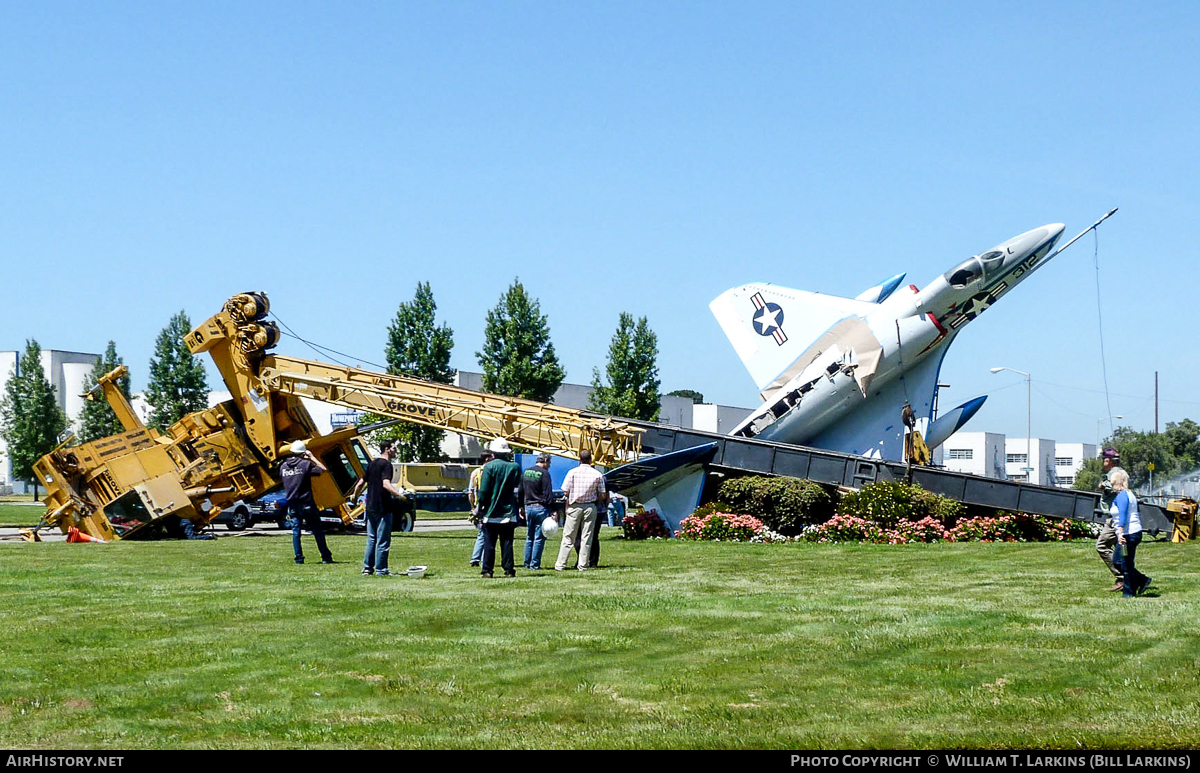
297	472
500	507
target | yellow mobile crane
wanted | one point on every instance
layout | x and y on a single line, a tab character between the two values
128	485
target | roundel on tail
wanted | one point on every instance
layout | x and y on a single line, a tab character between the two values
768	319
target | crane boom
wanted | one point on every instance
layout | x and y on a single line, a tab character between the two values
540	426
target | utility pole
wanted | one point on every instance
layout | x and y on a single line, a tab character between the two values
1156	402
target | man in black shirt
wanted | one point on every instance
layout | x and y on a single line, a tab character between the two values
379	504
539	496
297	471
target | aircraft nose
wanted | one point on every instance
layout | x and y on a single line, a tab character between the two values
1055	230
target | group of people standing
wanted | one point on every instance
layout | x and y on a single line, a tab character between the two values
1122	530
502	498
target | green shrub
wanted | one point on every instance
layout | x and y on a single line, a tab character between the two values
645	525
713	507
784	505
889	502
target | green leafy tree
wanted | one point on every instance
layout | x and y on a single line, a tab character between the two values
1088	477
1141	449
517	358
632	373
1184	441
178	385
417	347
695	396
30	419
1175	451
98	420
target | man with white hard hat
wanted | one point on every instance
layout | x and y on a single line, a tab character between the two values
500	507
297	472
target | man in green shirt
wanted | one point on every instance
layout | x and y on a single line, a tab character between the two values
500	507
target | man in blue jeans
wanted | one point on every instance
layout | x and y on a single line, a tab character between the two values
473	499
379	504
538	491
297	472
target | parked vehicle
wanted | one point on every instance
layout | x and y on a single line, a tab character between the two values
237	517
269	508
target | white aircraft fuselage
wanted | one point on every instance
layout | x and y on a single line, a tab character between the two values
835	372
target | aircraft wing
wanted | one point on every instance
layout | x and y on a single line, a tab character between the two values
874	429
770	326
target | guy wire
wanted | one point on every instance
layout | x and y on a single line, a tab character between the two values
1100	325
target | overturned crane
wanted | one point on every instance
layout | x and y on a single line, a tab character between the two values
130	485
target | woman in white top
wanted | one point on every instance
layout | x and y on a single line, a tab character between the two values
1129	533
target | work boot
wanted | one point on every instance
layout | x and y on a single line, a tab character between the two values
1119	586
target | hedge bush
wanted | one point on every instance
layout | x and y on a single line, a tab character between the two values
784	505
889	502
644	525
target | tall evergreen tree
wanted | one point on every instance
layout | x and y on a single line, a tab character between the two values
632	372
417	347
30	419
517	358
178	385
98	420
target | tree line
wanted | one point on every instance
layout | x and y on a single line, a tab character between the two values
517	359
1160	456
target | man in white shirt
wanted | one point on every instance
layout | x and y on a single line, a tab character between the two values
585	492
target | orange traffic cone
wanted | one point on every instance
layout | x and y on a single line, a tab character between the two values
75	535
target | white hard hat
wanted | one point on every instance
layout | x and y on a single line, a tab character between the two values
549	527
299	447
499	446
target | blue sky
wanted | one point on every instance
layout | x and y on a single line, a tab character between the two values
637	157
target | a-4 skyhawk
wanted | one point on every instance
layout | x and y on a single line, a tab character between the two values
835	372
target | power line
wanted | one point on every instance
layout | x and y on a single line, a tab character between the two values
325	351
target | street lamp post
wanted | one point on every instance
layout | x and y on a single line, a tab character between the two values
1098	423
1029	468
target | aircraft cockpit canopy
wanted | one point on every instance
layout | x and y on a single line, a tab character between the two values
973	269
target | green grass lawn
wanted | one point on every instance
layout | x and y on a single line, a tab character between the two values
227	644
13	514
25	515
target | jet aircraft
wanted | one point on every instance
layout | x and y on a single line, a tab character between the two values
835	372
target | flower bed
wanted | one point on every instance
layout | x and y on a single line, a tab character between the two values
721	527
1002	527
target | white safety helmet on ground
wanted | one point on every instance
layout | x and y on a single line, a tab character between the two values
499	446
299	447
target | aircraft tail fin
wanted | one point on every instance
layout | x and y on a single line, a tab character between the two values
771	326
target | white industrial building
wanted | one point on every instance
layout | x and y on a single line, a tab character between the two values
975	453
1018	454
995	456
66	372
1069	459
